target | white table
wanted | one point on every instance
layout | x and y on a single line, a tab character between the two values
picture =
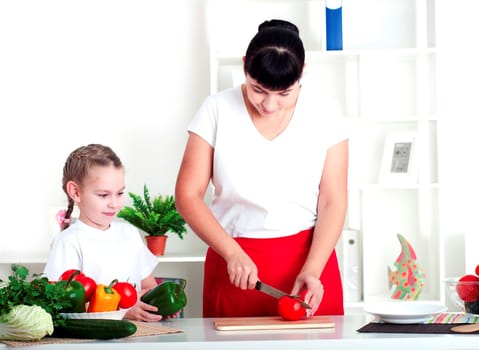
199	334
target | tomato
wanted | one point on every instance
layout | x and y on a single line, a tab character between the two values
66	275
128	293
290	309
477	270
302	294
87	282
468	288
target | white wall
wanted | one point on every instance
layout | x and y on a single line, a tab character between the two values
458	57
129	74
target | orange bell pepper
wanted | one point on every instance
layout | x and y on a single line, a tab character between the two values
105	298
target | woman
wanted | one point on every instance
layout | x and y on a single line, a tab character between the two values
277	158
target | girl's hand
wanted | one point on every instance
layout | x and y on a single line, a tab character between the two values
314	291
242	271
143	311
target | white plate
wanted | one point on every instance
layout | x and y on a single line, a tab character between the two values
111	315
404	311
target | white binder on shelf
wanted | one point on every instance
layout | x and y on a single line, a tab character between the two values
351	265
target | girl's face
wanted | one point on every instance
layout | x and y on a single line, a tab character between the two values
101	196
271	102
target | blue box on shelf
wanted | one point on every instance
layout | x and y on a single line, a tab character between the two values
334	25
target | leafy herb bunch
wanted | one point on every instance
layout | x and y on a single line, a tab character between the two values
156	217
37	291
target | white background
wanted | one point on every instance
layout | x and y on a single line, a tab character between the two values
130	74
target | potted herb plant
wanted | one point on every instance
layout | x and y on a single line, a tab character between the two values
156	217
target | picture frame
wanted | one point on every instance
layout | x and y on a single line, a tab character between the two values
399	160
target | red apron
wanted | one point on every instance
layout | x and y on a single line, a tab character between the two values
279	261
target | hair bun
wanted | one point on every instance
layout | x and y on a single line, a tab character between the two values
278	23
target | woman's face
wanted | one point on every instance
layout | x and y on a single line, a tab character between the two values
271	102
101	196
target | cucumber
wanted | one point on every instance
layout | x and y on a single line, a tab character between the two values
94	329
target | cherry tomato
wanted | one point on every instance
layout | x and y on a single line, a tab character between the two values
290	309
128	293
468	288
477	270
87	282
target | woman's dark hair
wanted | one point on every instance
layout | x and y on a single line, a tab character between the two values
275	55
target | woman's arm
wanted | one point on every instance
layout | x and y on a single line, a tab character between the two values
191	185
332	206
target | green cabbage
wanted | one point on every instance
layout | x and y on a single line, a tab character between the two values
25	322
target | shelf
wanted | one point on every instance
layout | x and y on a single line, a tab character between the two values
180	257
167	258
392	187
234	56
385	83
28	260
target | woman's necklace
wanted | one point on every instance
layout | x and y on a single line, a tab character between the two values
262	123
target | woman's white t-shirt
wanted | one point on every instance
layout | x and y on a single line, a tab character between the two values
116	253
267	188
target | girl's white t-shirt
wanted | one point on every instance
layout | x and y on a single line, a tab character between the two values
264	188
116	253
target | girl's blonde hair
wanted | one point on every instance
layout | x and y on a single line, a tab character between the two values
79	163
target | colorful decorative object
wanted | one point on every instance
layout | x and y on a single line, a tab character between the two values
407	281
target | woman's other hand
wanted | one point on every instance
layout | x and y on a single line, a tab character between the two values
314	291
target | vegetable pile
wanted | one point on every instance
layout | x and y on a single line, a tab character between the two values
30	309
99	297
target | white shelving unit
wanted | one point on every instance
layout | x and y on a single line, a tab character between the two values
385	81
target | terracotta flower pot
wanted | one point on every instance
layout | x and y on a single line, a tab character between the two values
156	244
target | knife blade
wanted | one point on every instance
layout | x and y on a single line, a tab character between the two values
276	293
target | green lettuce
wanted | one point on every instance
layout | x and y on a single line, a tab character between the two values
25	322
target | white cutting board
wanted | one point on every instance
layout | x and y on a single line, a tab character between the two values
257	323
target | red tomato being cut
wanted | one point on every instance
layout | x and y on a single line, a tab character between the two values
128	293
290	309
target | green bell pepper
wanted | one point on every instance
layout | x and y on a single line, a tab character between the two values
168	297
74	294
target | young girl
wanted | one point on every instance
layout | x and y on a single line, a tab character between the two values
103	249
277	156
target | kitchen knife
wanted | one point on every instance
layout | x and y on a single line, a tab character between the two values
276	293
